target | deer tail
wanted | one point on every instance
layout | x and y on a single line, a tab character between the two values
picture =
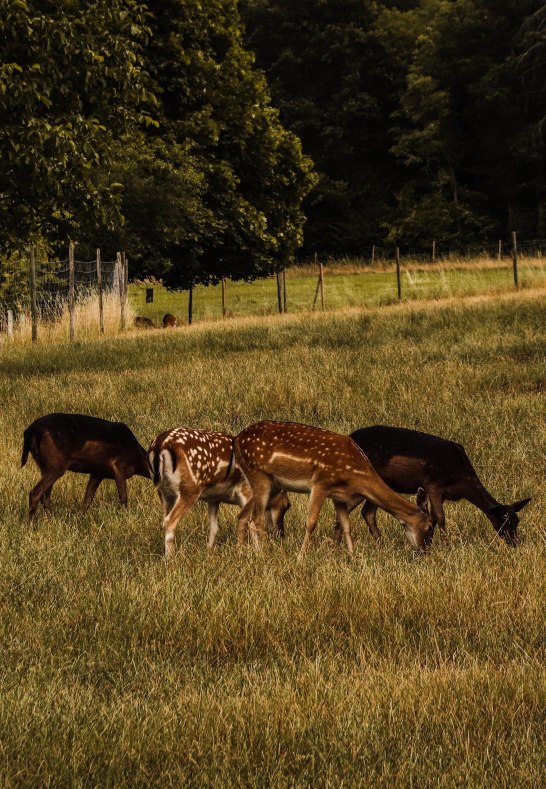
27	444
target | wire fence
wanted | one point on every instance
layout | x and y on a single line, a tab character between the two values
72	298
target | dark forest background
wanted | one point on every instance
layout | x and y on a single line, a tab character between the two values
225	139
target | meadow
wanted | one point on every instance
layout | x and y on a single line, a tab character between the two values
348	283
232	667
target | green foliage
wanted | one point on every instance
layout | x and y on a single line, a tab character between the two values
221	180
70	83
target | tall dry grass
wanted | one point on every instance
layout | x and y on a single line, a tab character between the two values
230	668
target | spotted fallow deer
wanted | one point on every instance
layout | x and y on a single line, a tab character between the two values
190	464
276	456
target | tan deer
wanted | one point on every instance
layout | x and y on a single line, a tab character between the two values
189	464
277	456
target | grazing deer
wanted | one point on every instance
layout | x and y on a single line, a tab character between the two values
87	445
169	321
408	460
190	464
277	456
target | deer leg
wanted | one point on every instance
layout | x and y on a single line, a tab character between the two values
316	500
182	506
90	491
436	500
369	511
278	507
38	491
121	484
213	522
46	499
338	531
342	517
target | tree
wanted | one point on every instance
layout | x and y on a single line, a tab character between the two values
219	140
70	84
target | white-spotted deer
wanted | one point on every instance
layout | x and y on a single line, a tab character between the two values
277	456
189	464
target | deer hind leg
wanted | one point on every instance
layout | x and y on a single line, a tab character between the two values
90	491
182	505
342	517
39	491
437	514
338	531
369	511
278	507
316	500
213	522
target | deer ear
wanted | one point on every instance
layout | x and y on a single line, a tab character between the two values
422	501
519	505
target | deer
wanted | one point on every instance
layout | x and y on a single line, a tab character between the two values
287	456
409	461
190	464
84	444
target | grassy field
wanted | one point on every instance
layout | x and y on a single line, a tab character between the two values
232	668
345	286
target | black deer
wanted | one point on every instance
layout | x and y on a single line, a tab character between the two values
87	445
408	460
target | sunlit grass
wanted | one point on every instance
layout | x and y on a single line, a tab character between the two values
229	667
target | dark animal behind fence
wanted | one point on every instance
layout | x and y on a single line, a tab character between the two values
84	444
407	459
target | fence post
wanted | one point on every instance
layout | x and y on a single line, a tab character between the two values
71	306
33	308
284	290
373	254
10	324
190	306
398	280
434	251
318	286
515	258
223	297
279	291
500	249
120	264
99	285
321	281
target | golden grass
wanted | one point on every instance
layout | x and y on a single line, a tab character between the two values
230	668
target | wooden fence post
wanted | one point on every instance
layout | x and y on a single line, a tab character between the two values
515	258
434	251
10	324
284	290
373	254
71	300
279	291
398	280
99	285
321	282
223	297
190	306
120	264
33	307
500	249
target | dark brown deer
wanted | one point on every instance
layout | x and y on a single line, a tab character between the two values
169	321
190	464
75	442
277	456
408	460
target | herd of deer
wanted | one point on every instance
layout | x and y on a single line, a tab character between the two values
257	468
